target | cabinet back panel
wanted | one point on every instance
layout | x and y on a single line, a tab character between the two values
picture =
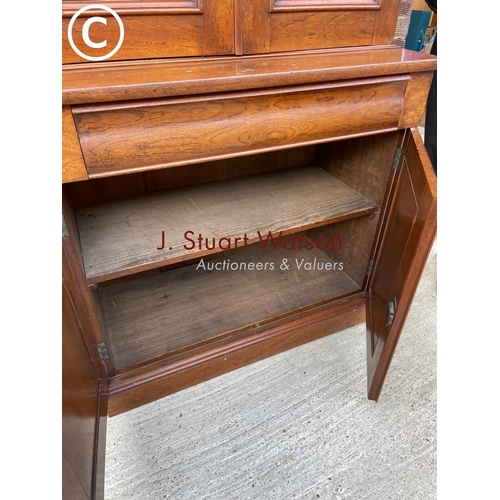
357	239
124	186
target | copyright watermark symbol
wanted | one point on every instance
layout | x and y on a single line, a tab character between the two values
85	32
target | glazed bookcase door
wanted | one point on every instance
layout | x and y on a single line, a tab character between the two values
407	239
264	26
152	29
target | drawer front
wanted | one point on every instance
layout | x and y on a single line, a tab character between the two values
129	137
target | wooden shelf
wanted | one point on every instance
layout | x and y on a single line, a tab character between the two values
155	315
122	238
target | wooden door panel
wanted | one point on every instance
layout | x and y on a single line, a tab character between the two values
408	238
83	411
286	25
164	28
80	392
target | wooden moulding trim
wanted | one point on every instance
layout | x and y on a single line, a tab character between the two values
120	81
322	5
261	92
129	390
131	7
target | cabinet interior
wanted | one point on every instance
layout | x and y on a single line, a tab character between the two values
317	207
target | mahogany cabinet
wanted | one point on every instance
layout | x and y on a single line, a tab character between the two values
241	178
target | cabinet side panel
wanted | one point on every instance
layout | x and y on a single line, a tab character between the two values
73	166
415	99
82	299
364	164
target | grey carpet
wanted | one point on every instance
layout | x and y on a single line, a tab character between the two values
297	425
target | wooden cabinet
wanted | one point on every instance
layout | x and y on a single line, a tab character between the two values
219	210
175	28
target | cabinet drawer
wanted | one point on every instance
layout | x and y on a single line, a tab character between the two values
137	136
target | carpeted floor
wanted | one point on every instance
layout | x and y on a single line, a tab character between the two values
297	425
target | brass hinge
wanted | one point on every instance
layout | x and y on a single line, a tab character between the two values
103	352
397	158
392	307
369	269
65	232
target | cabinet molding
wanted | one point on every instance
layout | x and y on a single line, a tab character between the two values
127	7
124	81
312	5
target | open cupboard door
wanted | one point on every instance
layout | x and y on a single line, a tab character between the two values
409	233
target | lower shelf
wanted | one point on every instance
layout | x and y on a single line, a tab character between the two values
156	315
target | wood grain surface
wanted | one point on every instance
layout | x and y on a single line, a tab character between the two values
145	136
365	165
142	385
152	30
155	315
73	166
308	24
119	81
123	237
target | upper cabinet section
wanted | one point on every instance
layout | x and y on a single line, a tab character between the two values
149	29
265	26
193	28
